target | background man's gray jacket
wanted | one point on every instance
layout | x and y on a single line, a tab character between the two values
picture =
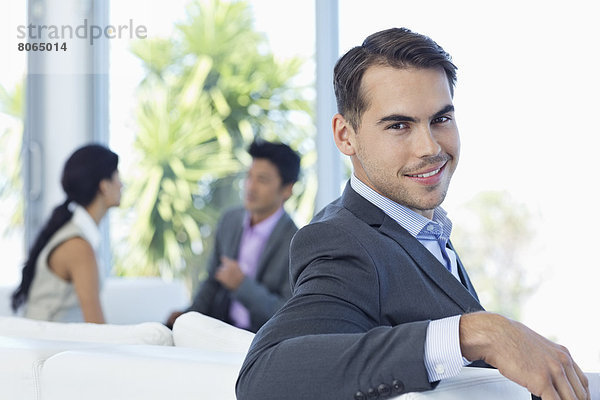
261	296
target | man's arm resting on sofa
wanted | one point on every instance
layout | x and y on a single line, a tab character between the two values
545	368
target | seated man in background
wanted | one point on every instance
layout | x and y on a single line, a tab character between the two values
382	304
248	270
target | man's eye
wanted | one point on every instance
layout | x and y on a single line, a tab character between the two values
441	120
398	125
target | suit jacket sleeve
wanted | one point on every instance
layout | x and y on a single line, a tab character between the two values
328	341
267	294
260	301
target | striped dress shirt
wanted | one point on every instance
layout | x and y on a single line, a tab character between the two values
443	358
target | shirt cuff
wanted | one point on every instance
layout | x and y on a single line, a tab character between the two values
443	358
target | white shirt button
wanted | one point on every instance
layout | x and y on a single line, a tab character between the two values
439	369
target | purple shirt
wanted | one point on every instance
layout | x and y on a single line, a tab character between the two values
252	244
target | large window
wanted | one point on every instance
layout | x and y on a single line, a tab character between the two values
12	78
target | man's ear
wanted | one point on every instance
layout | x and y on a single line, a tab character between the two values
287	191
343	134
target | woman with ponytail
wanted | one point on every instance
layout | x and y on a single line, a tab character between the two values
61	280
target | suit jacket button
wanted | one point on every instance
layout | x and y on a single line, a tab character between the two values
384	390
372	393
360	396
397	385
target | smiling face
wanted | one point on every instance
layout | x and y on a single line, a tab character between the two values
407	145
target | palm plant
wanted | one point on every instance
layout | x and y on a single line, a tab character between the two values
208	91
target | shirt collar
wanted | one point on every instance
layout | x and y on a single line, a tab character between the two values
414	223
264	227
86	223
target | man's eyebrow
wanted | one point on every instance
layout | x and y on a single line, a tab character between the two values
446	109
396	118
403	118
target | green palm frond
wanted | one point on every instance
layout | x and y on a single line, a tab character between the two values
209	90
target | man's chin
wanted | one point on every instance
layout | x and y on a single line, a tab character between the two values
432	203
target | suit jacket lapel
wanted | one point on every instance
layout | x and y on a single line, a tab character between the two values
426	261
431	266
462	272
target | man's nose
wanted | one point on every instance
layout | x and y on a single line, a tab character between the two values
425	143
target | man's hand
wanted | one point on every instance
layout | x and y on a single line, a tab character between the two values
229	273
545	368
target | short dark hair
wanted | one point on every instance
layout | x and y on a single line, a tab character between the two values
396	47
285	159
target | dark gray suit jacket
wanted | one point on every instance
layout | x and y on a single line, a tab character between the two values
364	291
261	296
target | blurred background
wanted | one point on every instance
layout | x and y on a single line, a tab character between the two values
181	105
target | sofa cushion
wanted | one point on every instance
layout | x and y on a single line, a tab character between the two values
144	333
199	331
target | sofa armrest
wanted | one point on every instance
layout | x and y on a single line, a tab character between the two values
199	331
485	383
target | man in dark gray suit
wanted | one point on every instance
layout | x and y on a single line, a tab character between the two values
248	270
381	303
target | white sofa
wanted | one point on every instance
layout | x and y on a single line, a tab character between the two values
199	359
135	300
120	361
202	363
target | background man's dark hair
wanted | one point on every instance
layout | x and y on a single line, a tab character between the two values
396	47
285	159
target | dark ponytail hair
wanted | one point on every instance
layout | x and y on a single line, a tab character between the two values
81	177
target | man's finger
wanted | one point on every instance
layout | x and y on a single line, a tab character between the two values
579	382
569	385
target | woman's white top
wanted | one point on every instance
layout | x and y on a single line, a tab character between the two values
51	298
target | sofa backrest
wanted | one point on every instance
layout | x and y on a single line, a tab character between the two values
129	300
142	299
